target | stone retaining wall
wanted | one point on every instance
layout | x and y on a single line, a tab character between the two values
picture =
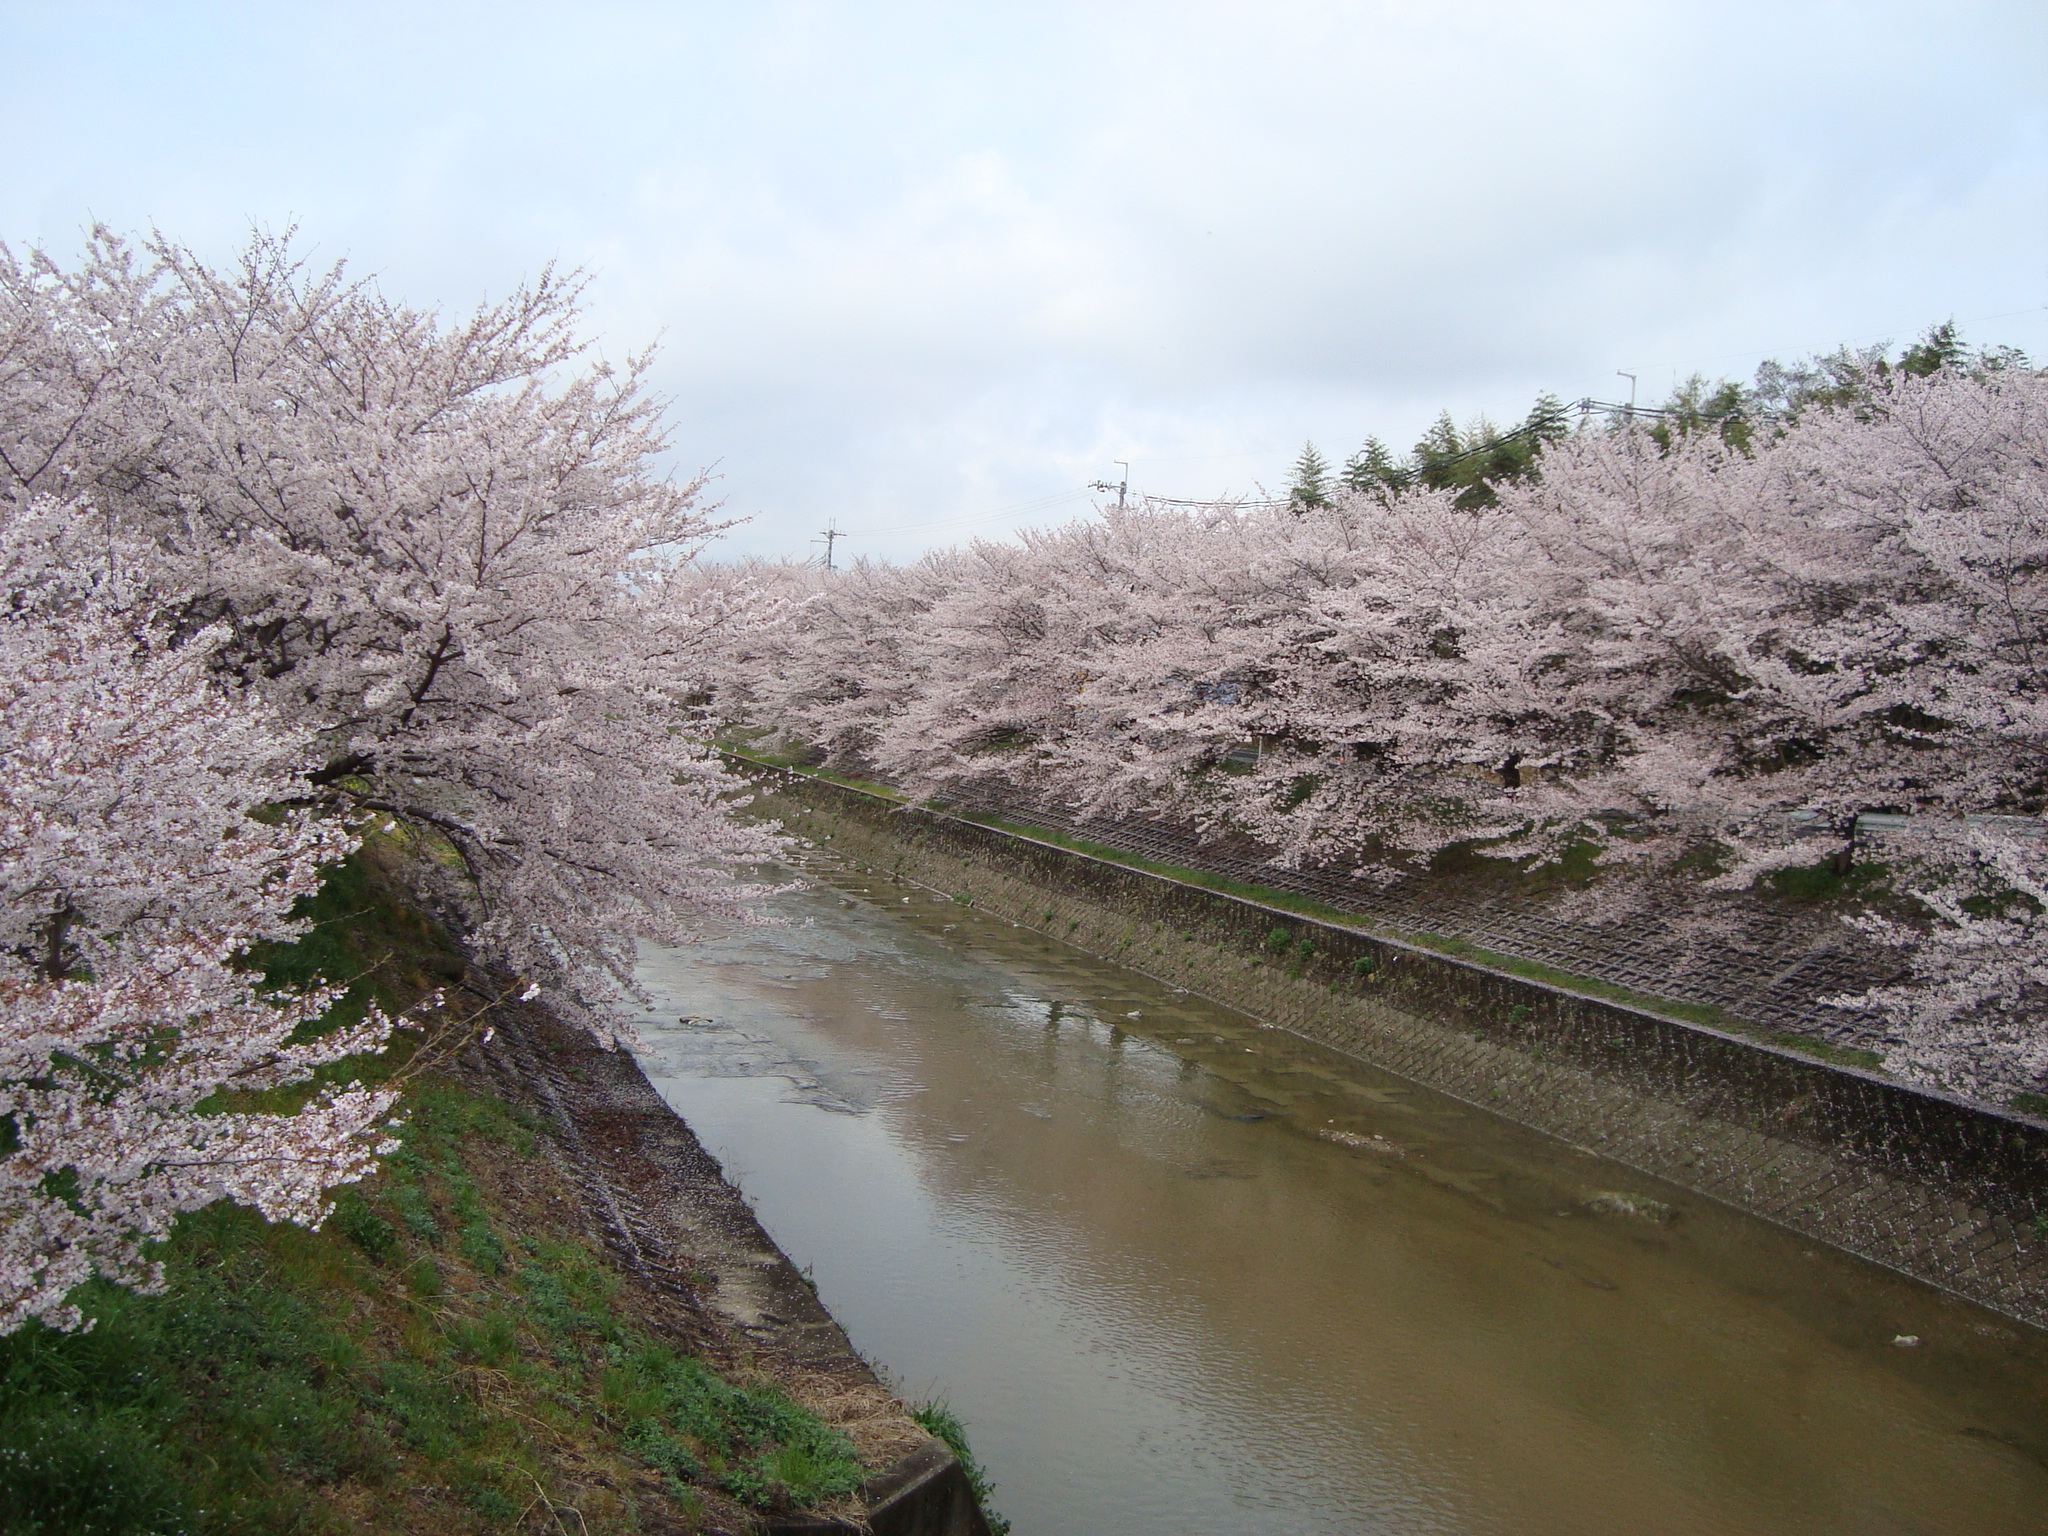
1951	1192
1764	963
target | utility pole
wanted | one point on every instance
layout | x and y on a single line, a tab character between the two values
828	536
1621	373
1122	487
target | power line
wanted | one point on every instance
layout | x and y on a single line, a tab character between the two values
1540	422
1215	501
1057	498
1552	420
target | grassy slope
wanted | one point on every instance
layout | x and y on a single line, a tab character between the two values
451	1353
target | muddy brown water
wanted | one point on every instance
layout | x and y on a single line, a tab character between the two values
1182	1273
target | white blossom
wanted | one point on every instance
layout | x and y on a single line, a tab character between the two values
132	879
444	551
1690	658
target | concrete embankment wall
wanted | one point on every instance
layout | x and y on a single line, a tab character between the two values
1942	1189
665	1210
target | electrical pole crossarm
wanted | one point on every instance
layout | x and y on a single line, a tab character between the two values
829	535
1122	487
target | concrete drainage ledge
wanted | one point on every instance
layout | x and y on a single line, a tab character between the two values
1947	1190
924	1494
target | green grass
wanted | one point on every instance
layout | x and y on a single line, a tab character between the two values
940	1422
867	786
1825	885
281	1368
754	1443
1588	986
1838	1055
444	1355
1280	939
788	761
364	937
228	1402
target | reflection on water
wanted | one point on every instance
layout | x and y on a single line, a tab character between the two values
1181	1273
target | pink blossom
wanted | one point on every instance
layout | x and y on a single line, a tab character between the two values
132	878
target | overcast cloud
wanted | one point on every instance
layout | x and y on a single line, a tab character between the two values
933	268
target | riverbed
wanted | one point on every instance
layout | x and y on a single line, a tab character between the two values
1183	1273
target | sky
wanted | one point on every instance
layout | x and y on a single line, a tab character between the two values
922	273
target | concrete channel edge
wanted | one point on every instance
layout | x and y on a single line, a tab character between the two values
1951	1192
663	1207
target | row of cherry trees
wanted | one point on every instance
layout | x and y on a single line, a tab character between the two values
1679	652
275	543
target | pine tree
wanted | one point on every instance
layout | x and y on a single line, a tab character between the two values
1942	347
1310	486
1373	469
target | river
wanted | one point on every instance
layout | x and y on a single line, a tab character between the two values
1182	1273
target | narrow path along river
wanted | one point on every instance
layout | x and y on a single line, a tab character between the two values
1181	1273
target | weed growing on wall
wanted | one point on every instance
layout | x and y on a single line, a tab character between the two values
943	1424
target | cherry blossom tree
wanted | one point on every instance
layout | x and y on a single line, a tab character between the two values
1849	619
445	552
1320	641
1969	1016
133	879
1705	655
1122	662
831	658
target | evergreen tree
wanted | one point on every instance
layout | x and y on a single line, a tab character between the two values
1942	347
1438	449
1375	471
1449	460
1697	406
1310	486
1468	461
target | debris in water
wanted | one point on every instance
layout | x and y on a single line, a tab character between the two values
1352	1139
1906	1341
1612	1202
